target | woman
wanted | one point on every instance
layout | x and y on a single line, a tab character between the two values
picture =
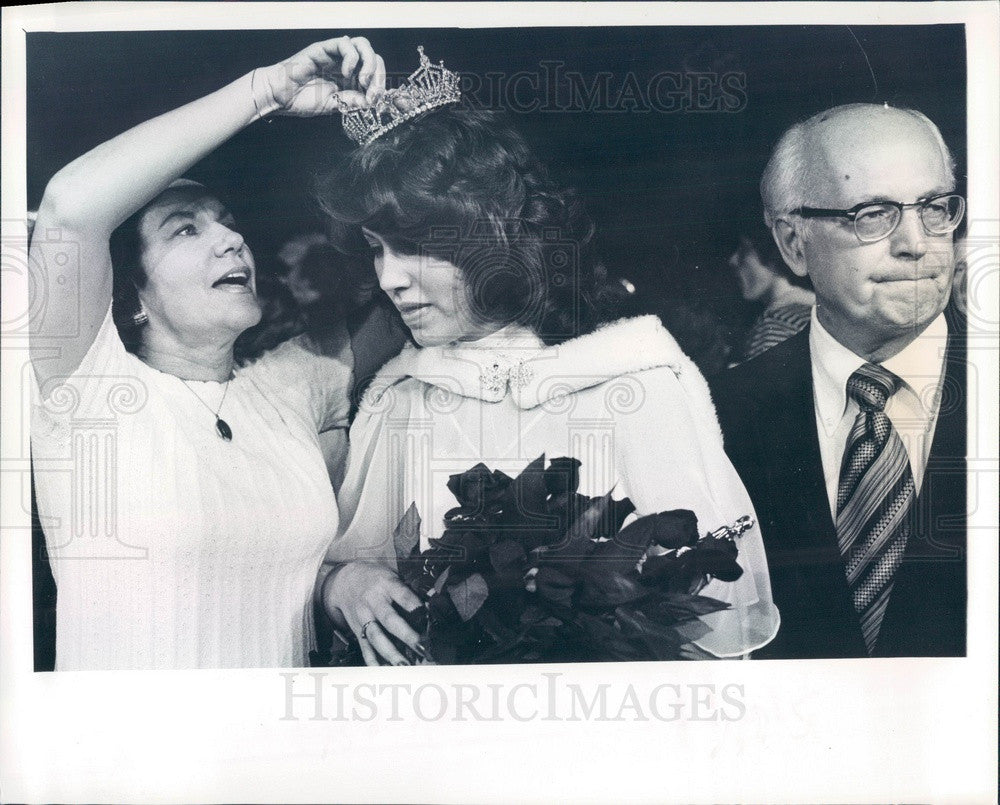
765	279
189	528
517	352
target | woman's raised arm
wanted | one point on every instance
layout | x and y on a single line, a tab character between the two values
85	201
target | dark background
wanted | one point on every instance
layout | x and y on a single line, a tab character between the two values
670	190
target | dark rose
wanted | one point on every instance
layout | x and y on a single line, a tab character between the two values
563	476
724	544
522	505
477	488
610	523
717	563
688	572
676	529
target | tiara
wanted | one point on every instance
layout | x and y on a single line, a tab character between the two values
428	87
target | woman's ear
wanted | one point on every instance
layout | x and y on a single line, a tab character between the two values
133	298
788	236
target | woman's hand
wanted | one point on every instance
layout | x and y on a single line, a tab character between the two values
90	197
363	593
321	78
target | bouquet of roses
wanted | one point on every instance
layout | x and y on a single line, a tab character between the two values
530	570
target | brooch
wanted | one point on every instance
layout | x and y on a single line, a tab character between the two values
502	371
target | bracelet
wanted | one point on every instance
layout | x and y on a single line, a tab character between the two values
253	96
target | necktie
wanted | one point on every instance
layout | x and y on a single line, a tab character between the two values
874	497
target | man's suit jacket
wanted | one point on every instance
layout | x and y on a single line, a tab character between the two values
768	418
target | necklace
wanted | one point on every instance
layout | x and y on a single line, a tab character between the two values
221	426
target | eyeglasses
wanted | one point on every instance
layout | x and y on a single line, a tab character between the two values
875	220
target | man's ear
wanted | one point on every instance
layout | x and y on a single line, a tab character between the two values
788	236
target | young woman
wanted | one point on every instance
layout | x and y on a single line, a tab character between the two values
190	526
517	351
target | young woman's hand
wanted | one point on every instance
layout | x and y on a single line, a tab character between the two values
363	592
322	78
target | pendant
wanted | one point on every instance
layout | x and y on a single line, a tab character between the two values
223	429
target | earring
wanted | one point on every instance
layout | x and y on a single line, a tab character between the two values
140	318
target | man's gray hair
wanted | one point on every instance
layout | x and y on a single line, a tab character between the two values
789	181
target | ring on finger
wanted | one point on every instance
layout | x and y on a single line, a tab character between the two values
364	629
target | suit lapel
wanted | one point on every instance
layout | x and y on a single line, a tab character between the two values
770	414
926	612
802	545
788	428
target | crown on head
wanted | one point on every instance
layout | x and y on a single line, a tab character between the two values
428	87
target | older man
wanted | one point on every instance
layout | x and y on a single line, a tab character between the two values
850	436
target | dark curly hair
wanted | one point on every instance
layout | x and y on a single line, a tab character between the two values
126	247
464	185
128	276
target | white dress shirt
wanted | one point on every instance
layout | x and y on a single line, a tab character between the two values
913	410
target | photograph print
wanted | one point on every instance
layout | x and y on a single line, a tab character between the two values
497	346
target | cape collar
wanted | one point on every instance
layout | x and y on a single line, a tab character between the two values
516	364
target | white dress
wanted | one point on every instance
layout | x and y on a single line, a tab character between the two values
625	400
170	547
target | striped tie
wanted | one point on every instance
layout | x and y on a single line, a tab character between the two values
874	496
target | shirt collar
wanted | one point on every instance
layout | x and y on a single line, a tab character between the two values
832	365
918	365
519	366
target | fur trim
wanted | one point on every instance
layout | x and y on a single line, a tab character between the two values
622	347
